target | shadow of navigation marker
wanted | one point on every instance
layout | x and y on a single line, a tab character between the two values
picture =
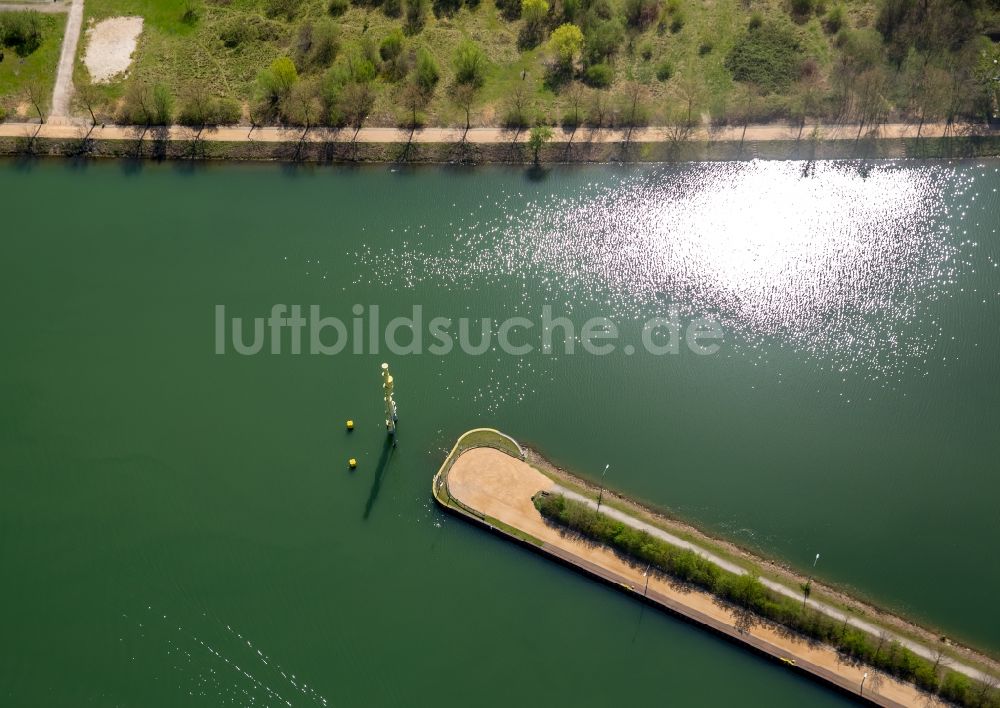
383	463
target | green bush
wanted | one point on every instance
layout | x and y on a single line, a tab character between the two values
246	29
640	14
599	75
469	63
416	15
200	109
836	18
601	39
803	8
143	104
391	46
768	56
337	7
286	9
664	70
426	72
705	47
21	31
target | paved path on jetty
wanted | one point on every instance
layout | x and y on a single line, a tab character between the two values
66	128
915	647
501	487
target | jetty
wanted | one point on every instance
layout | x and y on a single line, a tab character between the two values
489	479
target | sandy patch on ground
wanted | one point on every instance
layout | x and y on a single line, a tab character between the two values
110	45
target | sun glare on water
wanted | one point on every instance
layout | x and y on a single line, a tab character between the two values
836	260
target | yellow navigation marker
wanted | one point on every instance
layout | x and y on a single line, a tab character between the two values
352	463
350	425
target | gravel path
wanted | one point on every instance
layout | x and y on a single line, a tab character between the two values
487	136
63	91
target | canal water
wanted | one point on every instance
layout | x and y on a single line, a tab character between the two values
178	524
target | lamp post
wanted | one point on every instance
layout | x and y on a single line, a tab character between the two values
646	589
601	495
861	691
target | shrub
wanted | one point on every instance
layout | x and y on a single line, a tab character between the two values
641	13
286	9
756	20
22	31
200	109
599	75
705	48
469	63
241	30
602	40
677	23
566	43
534	13
646	51
803	8
426	73
767	56
391	46
416	15
446	8
392	8
510	9
664	70
143	104
192	12
836	18
325	44
337	7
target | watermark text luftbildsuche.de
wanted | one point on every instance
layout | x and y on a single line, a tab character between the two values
300	329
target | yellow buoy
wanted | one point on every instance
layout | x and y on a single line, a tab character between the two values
350	425
352	463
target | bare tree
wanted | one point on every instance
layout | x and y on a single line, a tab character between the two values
517	106
872	105
34	91
463	96
87	98
690	91
414	99
575	95
634	108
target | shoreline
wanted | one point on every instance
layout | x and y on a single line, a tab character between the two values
610	567
493	145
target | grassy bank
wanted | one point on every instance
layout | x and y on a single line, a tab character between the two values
29	52
598	62
753	602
